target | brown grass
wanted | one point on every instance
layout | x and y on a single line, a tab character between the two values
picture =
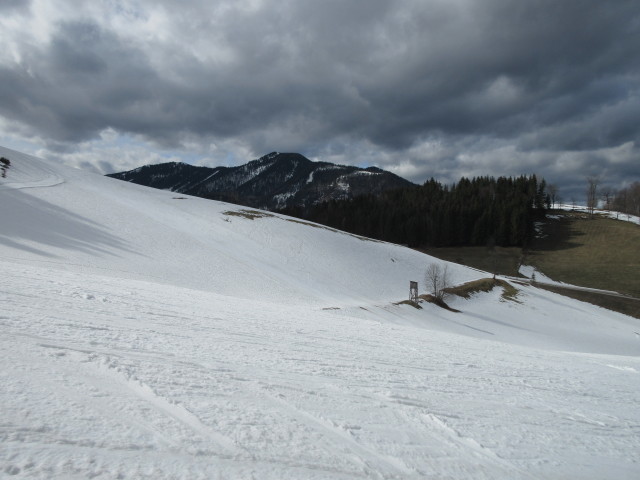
466	290
248	214
309	224
409	302
591	252
437	301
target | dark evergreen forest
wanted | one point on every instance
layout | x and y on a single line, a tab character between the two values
480	211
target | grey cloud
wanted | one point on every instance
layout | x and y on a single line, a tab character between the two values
550	53
85	80
611	125
546	77
14	6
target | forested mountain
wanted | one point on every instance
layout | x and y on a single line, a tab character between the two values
369	202
480	211
275	181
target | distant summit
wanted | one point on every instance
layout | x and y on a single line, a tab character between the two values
272	182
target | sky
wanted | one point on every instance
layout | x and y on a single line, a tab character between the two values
423	88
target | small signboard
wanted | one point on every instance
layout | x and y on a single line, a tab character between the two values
413	292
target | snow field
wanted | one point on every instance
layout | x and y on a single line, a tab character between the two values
206	386
114	227
149	337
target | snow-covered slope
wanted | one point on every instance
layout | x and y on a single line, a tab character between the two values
121	229
150	335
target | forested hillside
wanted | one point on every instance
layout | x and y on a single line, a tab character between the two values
478	211
274	181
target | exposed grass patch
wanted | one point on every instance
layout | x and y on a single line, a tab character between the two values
503	261
253	214
509	292
437	301
248	214
593	252
309	224
466	290
409	302
596	252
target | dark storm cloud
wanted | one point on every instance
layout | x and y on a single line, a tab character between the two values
82	82
344	76
507	70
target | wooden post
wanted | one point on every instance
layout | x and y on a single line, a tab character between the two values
413	292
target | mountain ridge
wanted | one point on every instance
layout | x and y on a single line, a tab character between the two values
272	182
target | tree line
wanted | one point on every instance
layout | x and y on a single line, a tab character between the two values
479	211
626	200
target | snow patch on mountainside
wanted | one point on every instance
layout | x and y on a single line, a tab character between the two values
281	198
323	169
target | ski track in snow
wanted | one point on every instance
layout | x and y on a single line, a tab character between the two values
267	349
204	388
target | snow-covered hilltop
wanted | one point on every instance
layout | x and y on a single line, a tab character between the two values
148	334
